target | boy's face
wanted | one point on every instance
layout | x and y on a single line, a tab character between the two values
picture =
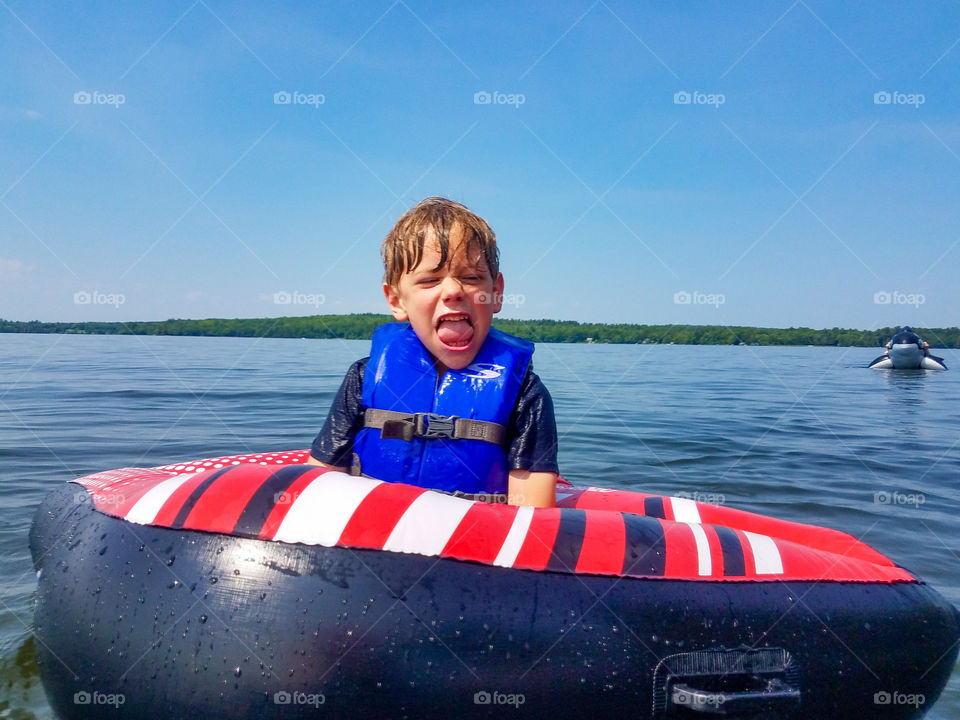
450	309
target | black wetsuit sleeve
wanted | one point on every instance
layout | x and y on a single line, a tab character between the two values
532	429
334	443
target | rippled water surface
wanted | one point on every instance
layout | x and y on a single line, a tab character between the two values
806	434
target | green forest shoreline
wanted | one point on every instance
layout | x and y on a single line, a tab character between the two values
361	326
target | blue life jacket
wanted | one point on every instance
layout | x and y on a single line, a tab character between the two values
401	376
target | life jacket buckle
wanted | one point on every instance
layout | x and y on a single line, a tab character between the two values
431	425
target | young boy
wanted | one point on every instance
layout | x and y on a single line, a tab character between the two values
444	401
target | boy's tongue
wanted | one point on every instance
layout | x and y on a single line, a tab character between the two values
455	332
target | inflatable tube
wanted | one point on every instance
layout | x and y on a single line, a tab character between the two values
906	351
258	587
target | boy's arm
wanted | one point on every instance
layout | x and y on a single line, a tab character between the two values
334	443
537	489
313	461
532	453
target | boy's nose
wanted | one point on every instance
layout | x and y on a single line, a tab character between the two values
451	289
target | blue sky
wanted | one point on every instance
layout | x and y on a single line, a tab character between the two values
774	164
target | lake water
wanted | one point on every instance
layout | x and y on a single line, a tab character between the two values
806	434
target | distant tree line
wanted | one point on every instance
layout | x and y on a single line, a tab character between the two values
361	327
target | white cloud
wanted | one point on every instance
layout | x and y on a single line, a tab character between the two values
11	269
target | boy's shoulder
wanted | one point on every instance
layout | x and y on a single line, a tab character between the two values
353	379
532	388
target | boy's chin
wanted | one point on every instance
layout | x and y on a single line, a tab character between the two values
455	358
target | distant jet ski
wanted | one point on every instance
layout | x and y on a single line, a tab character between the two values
906	350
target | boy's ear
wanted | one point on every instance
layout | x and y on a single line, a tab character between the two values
395	302
498	293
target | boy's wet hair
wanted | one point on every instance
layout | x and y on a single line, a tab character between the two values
402	248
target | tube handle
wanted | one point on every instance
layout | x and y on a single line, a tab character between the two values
776	694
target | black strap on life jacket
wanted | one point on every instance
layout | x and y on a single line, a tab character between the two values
395	425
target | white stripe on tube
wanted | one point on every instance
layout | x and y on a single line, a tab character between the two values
323	508
704	564
146	508
514	540
428	523
766	554
685	510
